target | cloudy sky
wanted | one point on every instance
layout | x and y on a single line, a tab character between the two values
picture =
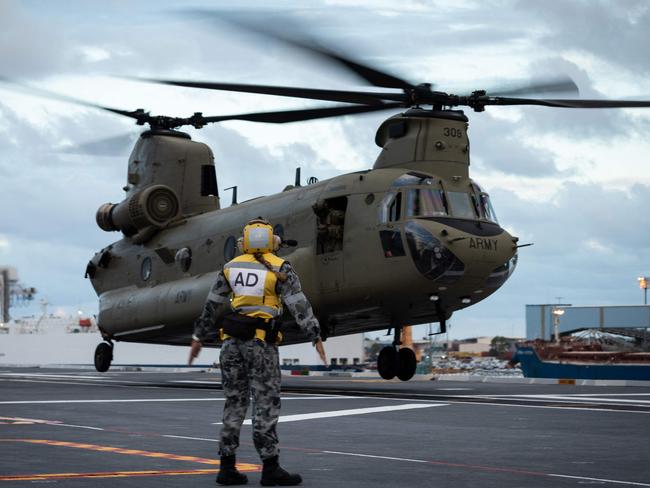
574	182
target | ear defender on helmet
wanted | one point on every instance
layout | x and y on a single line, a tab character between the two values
258	237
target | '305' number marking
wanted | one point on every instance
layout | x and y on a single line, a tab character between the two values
452	132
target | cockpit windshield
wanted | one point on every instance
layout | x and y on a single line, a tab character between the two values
425	202
461	205
421	195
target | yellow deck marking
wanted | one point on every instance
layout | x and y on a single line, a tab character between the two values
24	421
244	467
110	474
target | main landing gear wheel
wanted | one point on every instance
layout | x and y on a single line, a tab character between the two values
392	362
103	357
406	364
387	363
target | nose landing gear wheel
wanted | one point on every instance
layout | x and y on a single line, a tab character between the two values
387	363
406	364
103	357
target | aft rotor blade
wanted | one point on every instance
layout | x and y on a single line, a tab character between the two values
139	115
286	116
373	75
110	146
367	98
563	84
566	103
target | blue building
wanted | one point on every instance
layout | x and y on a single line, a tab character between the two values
539	318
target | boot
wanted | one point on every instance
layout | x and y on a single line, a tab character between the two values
228	474
274	475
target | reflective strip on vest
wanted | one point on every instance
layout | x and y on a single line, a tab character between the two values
253	286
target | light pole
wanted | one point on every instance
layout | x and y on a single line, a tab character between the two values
643	284
557	313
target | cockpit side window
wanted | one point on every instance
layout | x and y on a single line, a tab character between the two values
487	211
482	203
461	205
395	208
390	208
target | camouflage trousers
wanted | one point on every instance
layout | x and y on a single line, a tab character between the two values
250	367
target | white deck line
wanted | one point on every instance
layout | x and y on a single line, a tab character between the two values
554	475
582	399
601	480
354	411
145	400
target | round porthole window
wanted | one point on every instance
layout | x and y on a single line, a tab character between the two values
183	259
145	269
229	248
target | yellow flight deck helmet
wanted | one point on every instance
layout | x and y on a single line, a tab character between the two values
259	238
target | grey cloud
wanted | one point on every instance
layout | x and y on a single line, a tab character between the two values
29	46
617	219
255	171
53	197
576	123
615	31
500	145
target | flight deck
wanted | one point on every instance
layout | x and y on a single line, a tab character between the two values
80	428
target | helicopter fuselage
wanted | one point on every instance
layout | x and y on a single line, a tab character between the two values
375	249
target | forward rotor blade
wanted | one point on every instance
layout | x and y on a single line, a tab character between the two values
306	114
567	103
562	84
367	98
374	76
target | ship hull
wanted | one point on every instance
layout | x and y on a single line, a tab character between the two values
533	367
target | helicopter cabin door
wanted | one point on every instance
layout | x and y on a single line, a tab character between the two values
330	228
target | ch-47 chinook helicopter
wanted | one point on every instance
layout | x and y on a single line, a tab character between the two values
409	241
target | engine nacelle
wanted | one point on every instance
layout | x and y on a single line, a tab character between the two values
152	207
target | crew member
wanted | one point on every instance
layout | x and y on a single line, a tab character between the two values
246	299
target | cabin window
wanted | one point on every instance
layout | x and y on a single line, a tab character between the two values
425	202
183	259
461	205
145	269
